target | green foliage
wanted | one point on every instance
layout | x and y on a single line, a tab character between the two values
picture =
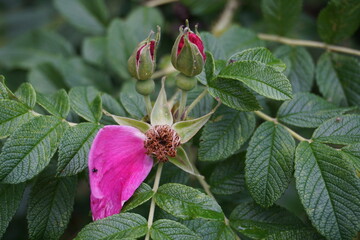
168	229
86	102
209	229
141	195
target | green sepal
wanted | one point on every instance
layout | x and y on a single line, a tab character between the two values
161	113
188	129
182	161
124	121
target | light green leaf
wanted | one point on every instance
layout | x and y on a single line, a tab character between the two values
119	226
233	94
236	39
300	67
281	15
352	152
26	94
74	148
50	206
171	230
228	176
88	16
260	54
328	189
340	130
12	115
182	161
338	78
133	103
161	113
57	104
10	197
307	110
29	149
261	78
210	230
86	102
93	50
187	203
269	163
227	131
338	20
140	196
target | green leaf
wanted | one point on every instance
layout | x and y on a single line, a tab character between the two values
209	67
352	152
213	45
140	196
187	203
57	104
117	38
26	94
110	104
228	176
227	131
259	54
168	229
10	197
328	189
133	103
233	94
338	78
236	39
340	130
12	115
86	102
50	206
201	108
300	67
261	78
210	230
3	89
338	20
281	15
119	226
29	149
269	163
93	50
88	16
74	148
307	110
260	223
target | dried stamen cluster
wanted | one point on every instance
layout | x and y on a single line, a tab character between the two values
161	142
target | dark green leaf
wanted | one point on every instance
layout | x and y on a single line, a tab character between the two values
328	189
10	197
307	110
281	15
187	203
234	94
259	54
209	68
111	105
338	20
56	104
86	102
261	78
12	115
352	152
213	45
225	133
3	89
228	176
236	39
133	103
171	230
74	148
340	130
269	163
26	94
300	67
201	108
50	206
210	230
88	16
94	50
30	148
338	78
119	226
141	195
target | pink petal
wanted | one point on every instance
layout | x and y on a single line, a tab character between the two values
117	166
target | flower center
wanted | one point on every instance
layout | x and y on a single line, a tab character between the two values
161	142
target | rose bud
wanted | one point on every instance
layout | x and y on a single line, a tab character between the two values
142	62
187	54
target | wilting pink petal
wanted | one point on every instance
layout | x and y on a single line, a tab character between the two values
117	166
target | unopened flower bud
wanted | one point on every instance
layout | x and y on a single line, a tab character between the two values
184	82
145	87
188	54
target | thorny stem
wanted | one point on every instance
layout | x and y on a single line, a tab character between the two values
274	120
152	205
225	18
307	43
182	104
196	101
148	104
